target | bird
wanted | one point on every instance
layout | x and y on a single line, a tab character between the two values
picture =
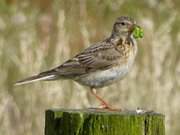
99	65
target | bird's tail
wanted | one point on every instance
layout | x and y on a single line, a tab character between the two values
44	76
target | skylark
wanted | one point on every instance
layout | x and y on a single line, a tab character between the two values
101	64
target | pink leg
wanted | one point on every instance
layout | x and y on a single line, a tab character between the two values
104	104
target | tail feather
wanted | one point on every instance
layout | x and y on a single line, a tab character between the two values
40	77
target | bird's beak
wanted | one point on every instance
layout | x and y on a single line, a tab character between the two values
132	27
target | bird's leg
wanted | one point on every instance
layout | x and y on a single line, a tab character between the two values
104	105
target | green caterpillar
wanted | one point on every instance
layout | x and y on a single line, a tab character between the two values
138	32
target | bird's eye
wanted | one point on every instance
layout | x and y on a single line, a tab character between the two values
122	23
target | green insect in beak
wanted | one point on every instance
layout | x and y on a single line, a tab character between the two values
138	32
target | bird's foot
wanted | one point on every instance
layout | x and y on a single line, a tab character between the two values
108	107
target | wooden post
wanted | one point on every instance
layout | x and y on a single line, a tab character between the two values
99	122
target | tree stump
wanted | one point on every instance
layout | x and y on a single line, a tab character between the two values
99	122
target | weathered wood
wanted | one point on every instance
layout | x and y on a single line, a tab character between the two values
98	122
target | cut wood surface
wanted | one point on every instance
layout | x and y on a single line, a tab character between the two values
103	122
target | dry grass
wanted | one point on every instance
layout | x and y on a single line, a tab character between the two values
36	36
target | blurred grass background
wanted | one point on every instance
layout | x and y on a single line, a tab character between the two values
36	35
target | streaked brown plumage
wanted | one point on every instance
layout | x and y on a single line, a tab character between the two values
102	63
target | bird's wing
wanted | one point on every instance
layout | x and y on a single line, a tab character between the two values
100	56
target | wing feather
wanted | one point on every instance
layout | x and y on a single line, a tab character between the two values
100	56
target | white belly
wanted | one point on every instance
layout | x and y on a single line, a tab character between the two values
103	78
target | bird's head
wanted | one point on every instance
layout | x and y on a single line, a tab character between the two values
123	27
